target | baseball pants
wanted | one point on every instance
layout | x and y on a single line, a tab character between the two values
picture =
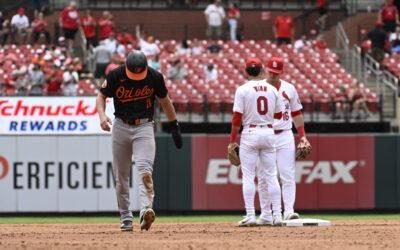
139	142
258	145
285	159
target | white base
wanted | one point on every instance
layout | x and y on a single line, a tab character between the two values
306	222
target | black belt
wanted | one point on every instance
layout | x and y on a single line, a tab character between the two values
137	121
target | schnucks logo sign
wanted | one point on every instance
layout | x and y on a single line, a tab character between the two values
339	179
43	115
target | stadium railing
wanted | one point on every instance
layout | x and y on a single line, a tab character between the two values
386	84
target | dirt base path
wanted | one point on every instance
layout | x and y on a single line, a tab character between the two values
341	235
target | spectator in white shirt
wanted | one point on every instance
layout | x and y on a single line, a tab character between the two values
111	43
197	48
70	82
210	73
183	48
176	70
102	57
36	80
215	15
149	47
19	27
300	43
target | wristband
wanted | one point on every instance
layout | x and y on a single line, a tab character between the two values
301	131
234	134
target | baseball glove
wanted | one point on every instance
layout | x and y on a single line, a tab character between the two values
233	154
303	149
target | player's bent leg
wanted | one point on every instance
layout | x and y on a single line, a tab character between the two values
122	163
285	155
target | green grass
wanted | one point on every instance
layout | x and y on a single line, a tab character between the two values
182	218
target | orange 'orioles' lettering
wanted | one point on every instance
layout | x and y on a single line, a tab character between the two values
127	95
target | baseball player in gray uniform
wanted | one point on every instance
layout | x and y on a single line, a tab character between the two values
134	87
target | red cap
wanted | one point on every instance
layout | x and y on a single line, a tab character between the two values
21	11
253	62
275	65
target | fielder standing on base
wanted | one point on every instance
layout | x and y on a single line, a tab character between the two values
255	107
285	145
134	87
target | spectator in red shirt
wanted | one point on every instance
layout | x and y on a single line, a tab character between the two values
69	22
106	25
89	24
319	43
389	16
54	80
40	26
322	7
125	37
284	29
233	18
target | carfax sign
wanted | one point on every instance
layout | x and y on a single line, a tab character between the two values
339	174
49	115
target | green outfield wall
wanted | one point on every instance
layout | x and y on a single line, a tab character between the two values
73	173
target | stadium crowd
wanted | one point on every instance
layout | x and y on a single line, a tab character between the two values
34	64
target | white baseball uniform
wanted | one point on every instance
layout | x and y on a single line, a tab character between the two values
285	146
258	101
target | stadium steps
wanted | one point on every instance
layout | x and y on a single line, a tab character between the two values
388	99
388	104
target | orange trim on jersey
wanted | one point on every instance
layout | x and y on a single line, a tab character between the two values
278	116
136	76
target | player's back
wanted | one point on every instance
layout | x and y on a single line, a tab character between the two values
257	100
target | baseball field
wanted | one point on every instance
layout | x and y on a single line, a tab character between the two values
365	231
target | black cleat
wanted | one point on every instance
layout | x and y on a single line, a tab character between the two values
126	226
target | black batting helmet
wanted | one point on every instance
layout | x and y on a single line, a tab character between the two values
136	65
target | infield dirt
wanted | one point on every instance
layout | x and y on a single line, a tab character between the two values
341	235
